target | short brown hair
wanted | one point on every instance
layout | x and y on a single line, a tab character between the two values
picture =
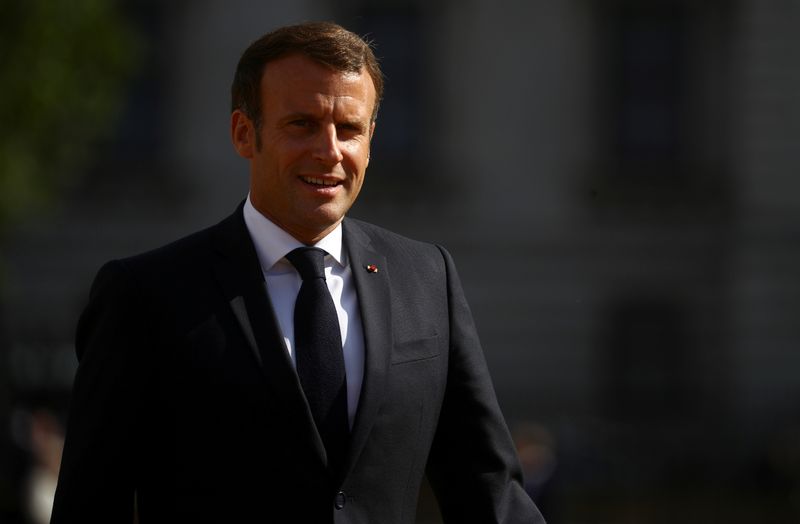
325	42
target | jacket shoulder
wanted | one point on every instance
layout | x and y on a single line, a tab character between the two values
190	251
386	241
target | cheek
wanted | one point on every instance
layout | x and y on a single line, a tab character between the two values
358	155
283	151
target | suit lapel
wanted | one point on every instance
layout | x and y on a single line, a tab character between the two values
239	273
372	288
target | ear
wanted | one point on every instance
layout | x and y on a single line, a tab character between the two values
243	134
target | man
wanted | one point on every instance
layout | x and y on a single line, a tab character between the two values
221	379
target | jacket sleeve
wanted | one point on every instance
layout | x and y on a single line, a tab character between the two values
98	469
473	466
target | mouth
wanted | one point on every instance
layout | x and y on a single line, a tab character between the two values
320	182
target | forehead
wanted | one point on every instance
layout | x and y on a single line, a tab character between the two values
296	82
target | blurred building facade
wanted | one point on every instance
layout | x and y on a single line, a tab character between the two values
616	179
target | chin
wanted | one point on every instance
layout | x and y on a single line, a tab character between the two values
327	216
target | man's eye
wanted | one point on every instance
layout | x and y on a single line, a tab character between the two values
349	129
300	123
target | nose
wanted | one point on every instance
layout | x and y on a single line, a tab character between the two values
326	148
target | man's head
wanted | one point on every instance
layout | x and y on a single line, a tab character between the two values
303	113
324	42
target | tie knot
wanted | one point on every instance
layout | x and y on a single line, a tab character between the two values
309	262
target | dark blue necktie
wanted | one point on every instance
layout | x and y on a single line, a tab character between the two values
318	354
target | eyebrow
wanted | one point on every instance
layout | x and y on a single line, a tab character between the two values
295	116
310	116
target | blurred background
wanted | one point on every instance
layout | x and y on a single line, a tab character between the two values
616	179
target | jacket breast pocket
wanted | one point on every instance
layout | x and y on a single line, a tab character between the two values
415	350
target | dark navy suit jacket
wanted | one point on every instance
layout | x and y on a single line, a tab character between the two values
187	407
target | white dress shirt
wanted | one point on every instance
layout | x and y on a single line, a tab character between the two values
283	283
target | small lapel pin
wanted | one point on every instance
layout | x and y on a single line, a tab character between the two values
372	268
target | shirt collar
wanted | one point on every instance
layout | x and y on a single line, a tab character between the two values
273	243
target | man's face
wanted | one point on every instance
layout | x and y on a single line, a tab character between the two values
315	136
